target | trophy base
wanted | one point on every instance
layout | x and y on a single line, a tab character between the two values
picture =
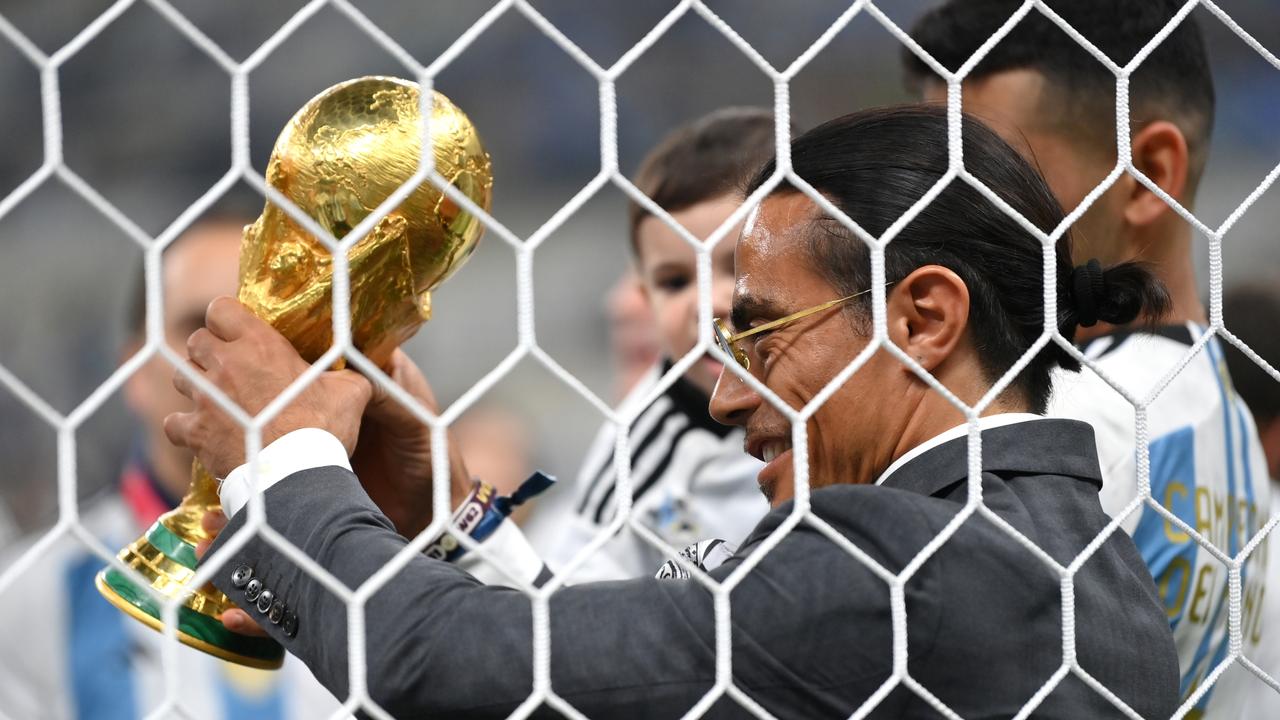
167	562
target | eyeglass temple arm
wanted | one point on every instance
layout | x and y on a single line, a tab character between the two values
796	316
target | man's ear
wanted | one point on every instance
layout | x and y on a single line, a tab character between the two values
928	314
1159	152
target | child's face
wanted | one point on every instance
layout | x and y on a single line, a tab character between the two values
669	276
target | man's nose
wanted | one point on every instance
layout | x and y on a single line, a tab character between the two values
732	400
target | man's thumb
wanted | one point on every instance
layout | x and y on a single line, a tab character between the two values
361	390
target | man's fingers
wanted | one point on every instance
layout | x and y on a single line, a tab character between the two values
213	522
180	428
377	393
227	318
184	385
396	365
404	373
238	621
234	620
361	389
200	348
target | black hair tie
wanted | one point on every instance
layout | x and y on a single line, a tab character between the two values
1089	290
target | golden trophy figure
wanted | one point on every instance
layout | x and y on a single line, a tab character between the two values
339	157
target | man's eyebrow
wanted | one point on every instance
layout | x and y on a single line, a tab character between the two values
749	308
669	265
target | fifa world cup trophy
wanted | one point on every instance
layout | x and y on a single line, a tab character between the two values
337	160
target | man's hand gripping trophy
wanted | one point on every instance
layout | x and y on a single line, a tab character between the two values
338	159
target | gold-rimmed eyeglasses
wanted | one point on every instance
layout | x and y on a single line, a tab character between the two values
727	340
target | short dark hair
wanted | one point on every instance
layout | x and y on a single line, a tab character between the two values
234	209
1250	312
1173	83
703	160
874	165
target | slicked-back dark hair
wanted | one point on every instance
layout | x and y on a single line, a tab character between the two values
1173	83
874	165
703	160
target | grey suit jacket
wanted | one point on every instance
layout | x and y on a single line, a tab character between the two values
812	634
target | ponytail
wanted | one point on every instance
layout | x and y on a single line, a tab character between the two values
1117	295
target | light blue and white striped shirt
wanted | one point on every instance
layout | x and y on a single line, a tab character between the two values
1206	468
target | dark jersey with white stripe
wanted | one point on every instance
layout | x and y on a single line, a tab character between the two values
690	480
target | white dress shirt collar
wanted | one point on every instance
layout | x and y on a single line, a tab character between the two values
984	423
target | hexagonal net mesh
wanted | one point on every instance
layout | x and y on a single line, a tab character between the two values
543	692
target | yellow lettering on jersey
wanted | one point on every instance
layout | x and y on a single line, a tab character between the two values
1203	580
1181	567
1204	511
1249	612
1244	522
1177	537
1219	513
1256	636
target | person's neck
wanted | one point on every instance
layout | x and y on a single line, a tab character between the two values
1179	277
1167	249
934	415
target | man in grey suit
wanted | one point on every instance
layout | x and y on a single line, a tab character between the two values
814	630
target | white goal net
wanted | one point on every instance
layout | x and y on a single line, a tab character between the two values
526	246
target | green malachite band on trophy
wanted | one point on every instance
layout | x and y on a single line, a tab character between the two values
174	547
364	138
201	627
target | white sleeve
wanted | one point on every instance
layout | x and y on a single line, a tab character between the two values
620	557
509	549
299	450
505	556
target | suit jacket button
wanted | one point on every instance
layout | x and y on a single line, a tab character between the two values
252	589
289	624
276	613
264	601
242	576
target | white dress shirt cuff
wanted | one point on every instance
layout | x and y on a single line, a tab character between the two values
299	450
509	548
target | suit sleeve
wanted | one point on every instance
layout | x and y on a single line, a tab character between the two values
440	643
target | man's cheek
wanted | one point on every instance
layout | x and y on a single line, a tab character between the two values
674	325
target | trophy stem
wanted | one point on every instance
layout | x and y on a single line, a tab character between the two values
339	158
165	557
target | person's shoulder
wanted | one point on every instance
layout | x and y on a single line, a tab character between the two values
52	571
893	525
1133	362
890	525
872	507
1088	396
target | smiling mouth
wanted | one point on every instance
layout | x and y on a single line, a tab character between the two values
770	450
776	454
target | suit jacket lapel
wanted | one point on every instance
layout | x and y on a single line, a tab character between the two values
1040	447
